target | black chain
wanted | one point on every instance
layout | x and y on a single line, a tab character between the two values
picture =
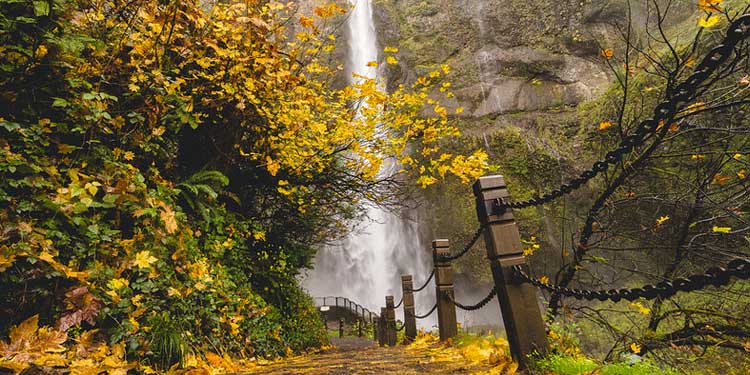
716	276
399	303
476	306
432	310
679	96
469	245
425	283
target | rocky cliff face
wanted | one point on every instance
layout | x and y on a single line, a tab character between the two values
508	56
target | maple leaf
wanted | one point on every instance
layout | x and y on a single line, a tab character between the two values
661	220
708	22
169	219
144	259
391	60
635	348
604	125
607	53
83	306
724	230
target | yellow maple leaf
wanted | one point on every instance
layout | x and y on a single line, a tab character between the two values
144	259
635	348
641	308
544	279
717	229
661	220
128	155
604	125
708	22
391	60
607	53
389	49
169	219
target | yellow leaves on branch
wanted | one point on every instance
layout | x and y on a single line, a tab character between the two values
243	59
607	53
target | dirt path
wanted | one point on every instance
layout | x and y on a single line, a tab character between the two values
360	356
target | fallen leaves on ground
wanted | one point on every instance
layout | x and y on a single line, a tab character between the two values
467	348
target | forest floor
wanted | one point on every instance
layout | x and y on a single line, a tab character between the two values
350	356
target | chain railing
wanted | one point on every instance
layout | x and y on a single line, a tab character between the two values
466	248
432	310
716	276
476	306
427	282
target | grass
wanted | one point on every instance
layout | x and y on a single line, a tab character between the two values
570	365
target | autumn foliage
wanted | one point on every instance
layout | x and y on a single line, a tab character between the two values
169	167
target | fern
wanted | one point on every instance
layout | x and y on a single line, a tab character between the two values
200	189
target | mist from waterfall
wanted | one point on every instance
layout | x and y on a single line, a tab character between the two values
368	264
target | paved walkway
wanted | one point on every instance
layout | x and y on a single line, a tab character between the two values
352	356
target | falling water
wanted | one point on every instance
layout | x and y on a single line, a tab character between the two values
367	265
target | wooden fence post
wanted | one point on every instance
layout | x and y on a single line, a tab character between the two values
375	329
382	328
410	320
360	322
341	327
518	301
390	319
444	290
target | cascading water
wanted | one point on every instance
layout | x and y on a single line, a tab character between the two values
367	265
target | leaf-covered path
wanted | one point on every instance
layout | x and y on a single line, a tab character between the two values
352	356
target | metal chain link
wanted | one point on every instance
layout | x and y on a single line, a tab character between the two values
399	303
678	97
467	247
432	310
476	306
715	276
425	283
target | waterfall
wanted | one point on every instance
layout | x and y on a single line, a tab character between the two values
368	264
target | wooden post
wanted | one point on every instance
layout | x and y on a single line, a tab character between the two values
359	327
444	290
390	319
375	334
382	328
341	327
410	320
518	301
